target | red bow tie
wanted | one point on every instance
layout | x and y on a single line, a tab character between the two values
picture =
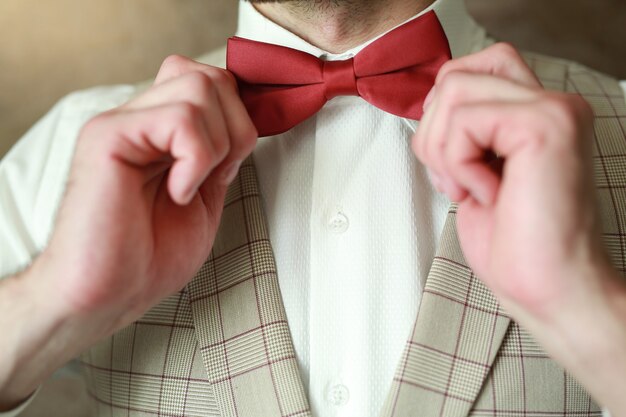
282	87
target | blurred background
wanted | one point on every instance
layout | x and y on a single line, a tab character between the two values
50	48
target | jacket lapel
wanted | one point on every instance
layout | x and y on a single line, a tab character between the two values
457	334
239	315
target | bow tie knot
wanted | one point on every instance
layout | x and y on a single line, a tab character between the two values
282	87
340	79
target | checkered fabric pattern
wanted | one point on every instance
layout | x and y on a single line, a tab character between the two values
241	323
221	347
465	356
153	367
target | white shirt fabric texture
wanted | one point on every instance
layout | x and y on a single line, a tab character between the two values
352	216
354	223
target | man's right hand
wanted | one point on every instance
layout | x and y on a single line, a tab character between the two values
147	189
141	212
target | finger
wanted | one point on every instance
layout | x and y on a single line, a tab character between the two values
458	89
515	131
438	177
464	155
242	132
501	60
175	131
176	65
216	92
218	105
549	122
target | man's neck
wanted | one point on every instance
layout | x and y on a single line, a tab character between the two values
337	26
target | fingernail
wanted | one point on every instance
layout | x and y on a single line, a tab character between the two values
230	172
429	98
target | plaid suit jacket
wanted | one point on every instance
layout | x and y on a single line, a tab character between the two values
222	346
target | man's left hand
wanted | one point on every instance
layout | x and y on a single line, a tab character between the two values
527	220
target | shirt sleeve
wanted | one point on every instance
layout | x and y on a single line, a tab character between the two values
22	407
33	177
33	174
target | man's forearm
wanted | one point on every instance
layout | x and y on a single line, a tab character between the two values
39	334
600	361
589	339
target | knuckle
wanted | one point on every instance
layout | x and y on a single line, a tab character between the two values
250	135
199	88
561	110
174	61
584	116
557	121
455	79
97	125
445	69
185	114
451	89
220	75
230	77
237	150
507	51
96	122
583	107
199	82
204	156
221	147
103	132
172	66
244	139
245	146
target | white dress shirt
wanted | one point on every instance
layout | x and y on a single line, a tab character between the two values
354	223
352	217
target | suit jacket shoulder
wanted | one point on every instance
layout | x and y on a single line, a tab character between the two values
222	345
606	97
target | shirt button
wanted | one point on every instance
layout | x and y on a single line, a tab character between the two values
338	395
338	223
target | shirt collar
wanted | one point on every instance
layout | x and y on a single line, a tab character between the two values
464	34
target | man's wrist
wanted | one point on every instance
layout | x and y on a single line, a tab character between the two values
40	332
597	309
601	345
588	335
29	321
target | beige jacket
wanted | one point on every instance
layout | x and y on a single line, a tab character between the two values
222	346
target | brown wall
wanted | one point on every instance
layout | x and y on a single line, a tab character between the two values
589	31
49	48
